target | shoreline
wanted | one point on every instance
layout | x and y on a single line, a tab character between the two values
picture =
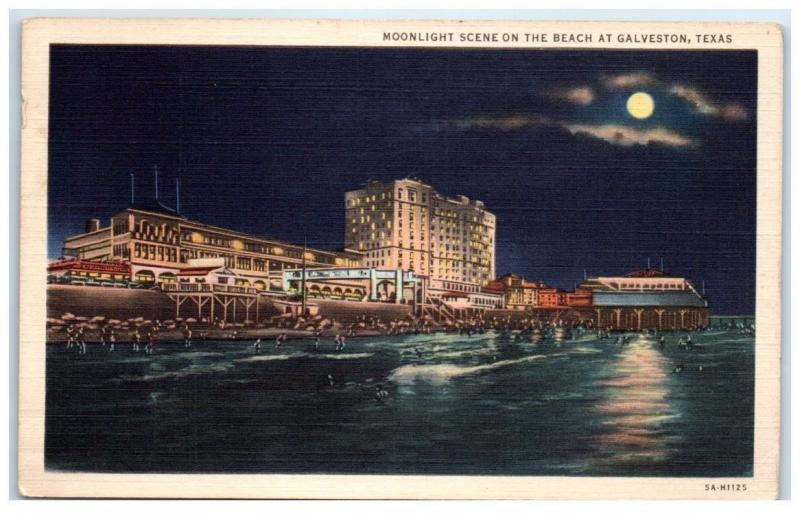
232	335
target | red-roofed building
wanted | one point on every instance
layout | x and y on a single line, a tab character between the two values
83	270
518	293
552	298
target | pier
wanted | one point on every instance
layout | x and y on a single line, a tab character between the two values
216	300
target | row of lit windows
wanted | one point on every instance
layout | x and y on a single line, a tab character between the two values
155	252
122	251
120	226
368	199
657	286
254	247
160	233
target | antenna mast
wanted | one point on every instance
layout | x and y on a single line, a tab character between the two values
155	171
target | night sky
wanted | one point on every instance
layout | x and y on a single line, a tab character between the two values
267	140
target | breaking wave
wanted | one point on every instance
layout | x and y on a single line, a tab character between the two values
194	369
287	356
441	373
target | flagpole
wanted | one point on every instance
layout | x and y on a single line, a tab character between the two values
303	280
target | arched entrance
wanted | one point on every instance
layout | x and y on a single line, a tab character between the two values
145	276
167	278
386	290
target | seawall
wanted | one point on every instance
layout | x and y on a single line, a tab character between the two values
123	304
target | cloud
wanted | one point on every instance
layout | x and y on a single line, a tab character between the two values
694	98
704	105
619	135
627	136
504	123
733	112
623	81
582	95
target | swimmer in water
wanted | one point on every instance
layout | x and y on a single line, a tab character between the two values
330	380
257	345
380	394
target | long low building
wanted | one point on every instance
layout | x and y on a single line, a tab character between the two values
158	243
646	299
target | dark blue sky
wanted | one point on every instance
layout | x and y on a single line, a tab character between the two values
267	140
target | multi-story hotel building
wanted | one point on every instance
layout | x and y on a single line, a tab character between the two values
406	224
158	243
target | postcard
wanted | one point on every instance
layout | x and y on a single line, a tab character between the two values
400	259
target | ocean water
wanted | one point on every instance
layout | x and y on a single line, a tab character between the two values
485	404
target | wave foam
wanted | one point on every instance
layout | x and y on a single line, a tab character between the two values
194	369
441	373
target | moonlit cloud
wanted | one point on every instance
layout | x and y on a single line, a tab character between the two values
704	105
503	123
621	135
625	81
733	112
694	97
582	95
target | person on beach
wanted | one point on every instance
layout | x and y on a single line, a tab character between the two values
81	341
70	336
150	348
316	340
187	336
112	339
103	335
137	338
661	342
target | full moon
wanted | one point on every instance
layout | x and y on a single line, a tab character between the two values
641	105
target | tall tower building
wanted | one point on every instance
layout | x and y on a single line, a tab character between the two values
406	224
